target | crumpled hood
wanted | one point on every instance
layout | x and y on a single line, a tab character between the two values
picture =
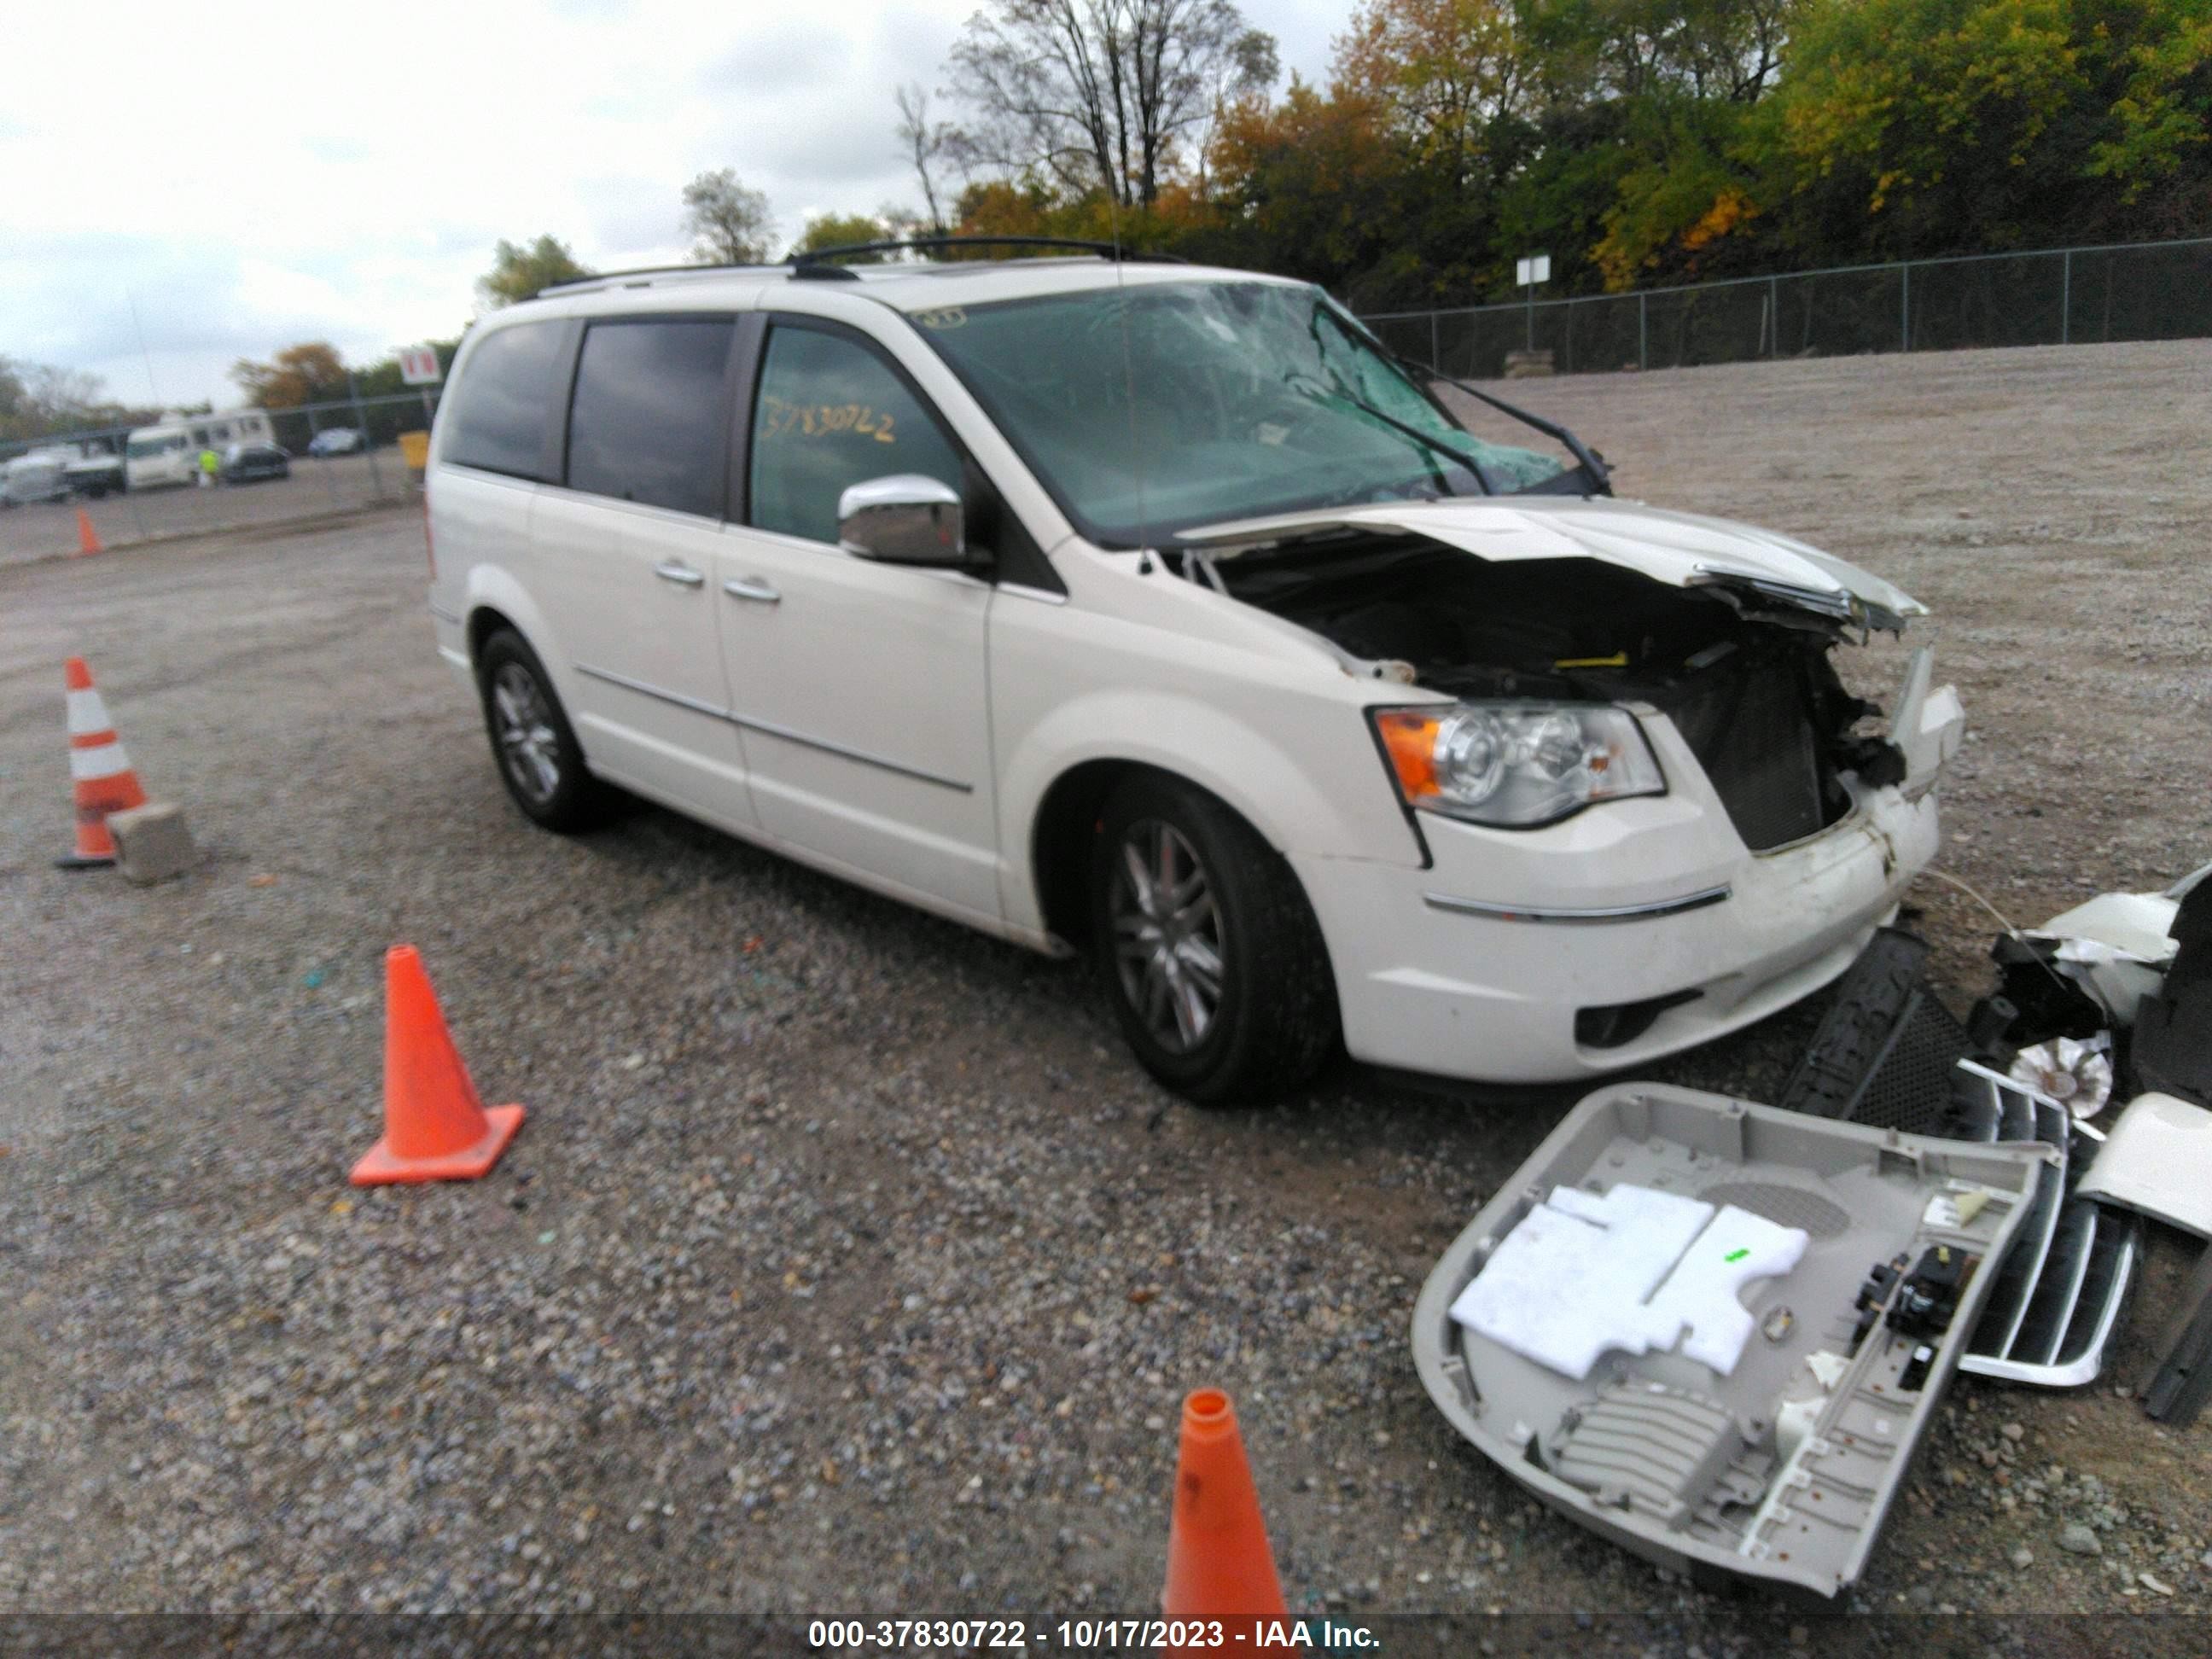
1683	550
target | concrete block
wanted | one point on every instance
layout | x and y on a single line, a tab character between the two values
151	843
1527	365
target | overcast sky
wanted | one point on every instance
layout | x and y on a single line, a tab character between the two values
255	175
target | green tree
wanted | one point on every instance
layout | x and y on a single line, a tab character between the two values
844	230
521	270
1440	72
1636	166
731	224
2156	82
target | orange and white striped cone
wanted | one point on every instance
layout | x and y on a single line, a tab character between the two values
99	769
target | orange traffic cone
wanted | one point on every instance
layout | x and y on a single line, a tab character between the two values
88	538
434	1127
1219	1566
99	769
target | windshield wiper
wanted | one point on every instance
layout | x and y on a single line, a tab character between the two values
1315	388
1600	475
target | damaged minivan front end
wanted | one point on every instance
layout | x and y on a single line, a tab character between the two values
1651	811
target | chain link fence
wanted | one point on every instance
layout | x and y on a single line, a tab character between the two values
2060	296
316	483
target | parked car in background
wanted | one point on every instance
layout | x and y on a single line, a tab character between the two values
40	475
335	440
243	463
96	471
168	452
1159	612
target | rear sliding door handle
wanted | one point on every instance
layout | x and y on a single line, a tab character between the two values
682	574
753	588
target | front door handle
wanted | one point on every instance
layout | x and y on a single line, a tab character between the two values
753	588
682	574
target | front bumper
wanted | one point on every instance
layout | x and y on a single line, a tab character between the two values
1477	967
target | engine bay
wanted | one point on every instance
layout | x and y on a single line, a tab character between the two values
1746	678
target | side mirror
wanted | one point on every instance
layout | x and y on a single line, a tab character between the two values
903	519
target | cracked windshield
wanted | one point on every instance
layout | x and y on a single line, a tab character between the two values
1248	398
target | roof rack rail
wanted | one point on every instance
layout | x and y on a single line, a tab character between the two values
815	264
598	276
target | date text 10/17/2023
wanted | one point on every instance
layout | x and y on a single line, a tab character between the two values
1082	1635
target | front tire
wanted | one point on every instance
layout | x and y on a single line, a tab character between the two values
540	761
1210	954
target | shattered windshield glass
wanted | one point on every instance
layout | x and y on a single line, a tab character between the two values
1149	410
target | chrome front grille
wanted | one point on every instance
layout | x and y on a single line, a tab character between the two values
2059	1293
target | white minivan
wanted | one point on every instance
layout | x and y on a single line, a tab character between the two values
1157	612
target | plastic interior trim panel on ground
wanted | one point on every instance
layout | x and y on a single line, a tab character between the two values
1782	1471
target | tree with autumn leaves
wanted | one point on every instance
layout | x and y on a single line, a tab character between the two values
1648	140
1636	142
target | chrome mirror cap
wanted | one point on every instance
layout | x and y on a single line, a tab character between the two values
903	519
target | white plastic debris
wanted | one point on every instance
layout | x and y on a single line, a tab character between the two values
2076	1072
2115	945
2157	1160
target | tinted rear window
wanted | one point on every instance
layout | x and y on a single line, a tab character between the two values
498	410
646	422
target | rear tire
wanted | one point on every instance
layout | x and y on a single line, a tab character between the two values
539	760
1211	956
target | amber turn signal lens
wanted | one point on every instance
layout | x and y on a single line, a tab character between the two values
1409	737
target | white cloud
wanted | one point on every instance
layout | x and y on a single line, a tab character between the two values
263	173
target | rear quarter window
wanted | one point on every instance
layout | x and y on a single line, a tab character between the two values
498	409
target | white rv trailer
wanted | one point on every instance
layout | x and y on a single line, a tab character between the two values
168	452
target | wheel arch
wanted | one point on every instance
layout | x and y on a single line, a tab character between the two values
1264	764
1059	843
1068	817
483	621
493	599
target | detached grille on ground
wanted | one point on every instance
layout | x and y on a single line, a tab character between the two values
1889	1055
2059	1293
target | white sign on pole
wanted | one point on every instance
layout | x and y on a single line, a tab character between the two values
1536	268
418	365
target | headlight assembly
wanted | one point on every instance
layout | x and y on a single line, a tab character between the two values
1514	765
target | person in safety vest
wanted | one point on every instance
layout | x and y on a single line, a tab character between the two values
210	463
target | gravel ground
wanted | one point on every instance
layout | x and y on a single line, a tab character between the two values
846	1262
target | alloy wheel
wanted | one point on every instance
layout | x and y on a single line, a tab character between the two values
529	747
1168	944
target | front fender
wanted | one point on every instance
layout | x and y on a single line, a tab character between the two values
1331	798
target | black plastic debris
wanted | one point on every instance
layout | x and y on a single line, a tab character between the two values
1884	1052
2033	1000
2172	1048
2178	1390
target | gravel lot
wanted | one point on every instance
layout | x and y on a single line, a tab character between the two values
845	1263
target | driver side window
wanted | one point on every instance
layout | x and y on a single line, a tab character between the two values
830	414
